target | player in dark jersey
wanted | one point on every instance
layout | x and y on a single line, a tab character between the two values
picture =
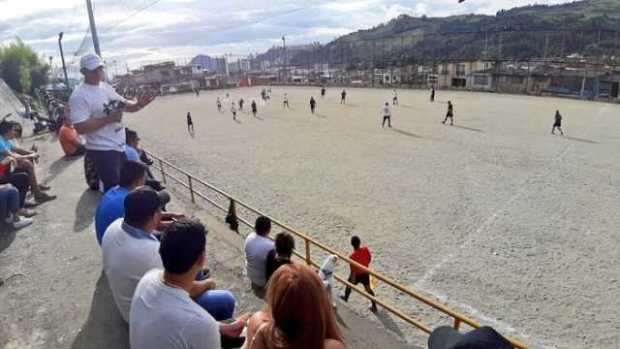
558	123
432	93
254	108
190	123
323	91
241	104
343	97
449	114
312	104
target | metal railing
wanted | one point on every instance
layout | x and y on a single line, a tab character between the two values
192	181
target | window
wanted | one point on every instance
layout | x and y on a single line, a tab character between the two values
460	70
481	80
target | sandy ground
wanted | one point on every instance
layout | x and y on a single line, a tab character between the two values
494	216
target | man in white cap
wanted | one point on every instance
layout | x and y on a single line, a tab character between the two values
101	127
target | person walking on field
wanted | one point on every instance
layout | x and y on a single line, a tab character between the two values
395	98
387	115
312	104
286	101
361	255
323	92
241	104
343	97
219	104
190	123
449	114
254	108
432	94
233	109
558	123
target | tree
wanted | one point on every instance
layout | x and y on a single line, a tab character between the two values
21	68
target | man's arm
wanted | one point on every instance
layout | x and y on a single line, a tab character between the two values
141	102
200	287
93	124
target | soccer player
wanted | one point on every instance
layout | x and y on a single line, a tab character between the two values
190	123
432	93
323	91
219	104
387	115
233	109
286	101
558	123
449	114
312	104
254	108
395	98
343	97
241	104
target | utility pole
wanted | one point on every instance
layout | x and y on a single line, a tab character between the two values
93	27
284	57
62	57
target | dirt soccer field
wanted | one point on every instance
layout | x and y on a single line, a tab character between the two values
493	216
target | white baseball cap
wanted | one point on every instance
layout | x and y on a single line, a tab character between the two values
91	62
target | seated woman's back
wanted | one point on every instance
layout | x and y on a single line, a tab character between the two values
298	314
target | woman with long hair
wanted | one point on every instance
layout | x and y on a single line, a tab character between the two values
298	313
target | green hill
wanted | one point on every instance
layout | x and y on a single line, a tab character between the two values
588	28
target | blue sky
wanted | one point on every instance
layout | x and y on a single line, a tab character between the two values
178	29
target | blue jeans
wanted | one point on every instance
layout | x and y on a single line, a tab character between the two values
219	303
9	201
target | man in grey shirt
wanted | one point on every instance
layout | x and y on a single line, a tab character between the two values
257	246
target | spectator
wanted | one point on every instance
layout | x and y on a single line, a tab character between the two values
163	314
257	246
23	161
20	181
361	255
134	153
111	206
69	139
104	132
9	207
130	249
446	337
281	255
298	313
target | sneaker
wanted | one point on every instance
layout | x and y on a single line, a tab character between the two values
24	212
372	308
30	204
22	223
44	187
41	197
342	297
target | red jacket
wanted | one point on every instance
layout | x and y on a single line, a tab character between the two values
363	257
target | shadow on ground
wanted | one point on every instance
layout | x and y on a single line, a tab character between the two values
468	128
582	140
389	323
405	133
59	166
104	328
7	236
85	209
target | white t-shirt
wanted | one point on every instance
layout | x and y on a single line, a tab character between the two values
386	111
87	102
164	317
256	249
128	254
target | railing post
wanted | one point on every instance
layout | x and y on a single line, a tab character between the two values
163	172
457	323
308	259
191	188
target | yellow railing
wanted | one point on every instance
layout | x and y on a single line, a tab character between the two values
192	181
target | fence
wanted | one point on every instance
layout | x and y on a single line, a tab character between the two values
173	174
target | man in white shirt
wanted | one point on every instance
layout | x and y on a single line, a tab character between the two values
102	129
130	249
257	247
163	314
387	115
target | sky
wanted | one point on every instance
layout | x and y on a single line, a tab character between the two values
135	32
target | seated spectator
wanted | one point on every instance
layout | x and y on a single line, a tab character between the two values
134	153
361	254
257	246
23	161
281	255
163	314
298	313
130	249
20	181
111	206
70	141
9	207
446	337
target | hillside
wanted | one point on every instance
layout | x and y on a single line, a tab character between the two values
583	27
